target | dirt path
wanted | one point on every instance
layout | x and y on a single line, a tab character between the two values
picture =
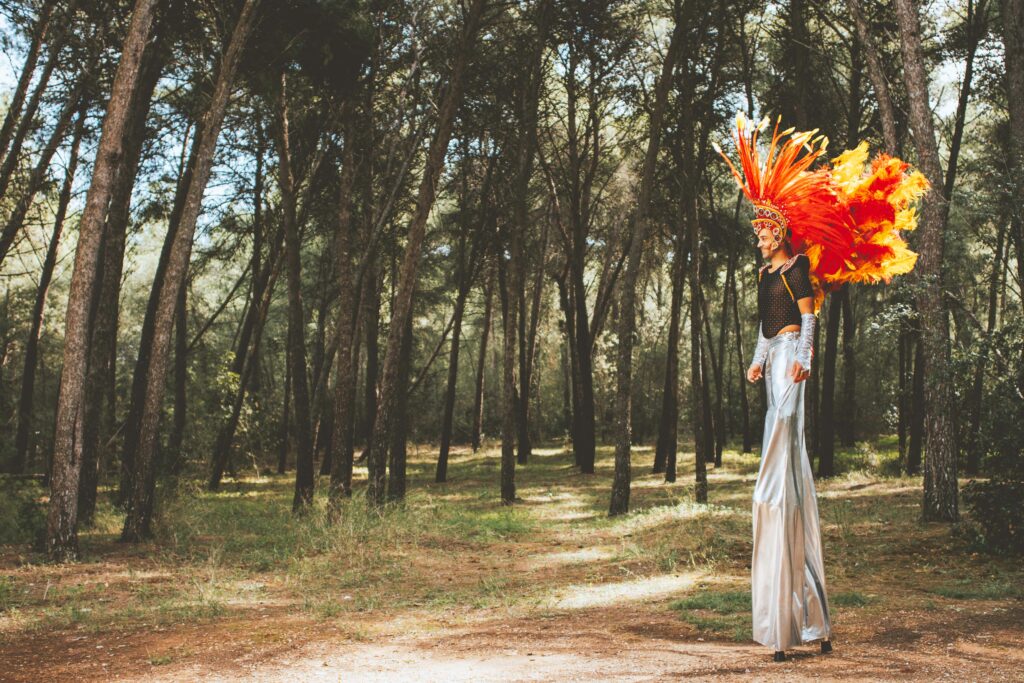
570	596
629	641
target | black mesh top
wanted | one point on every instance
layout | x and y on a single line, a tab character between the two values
776	307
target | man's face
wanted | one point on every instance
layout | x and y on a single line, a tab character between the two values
764	242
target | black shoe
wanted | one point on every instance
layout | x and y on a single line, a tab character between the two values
780	656
826	647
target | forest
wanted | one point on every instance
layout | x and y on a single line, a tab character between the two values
384	339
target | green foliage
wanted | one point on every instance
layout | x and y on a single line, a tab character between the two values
997	515
22	512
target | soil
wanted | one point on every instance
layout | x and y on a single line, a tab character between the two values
629	641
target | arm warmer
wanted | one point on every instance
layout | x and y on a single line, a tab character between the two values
805	347
761	350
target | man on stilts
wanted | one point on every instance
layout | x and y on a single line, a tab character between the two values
817	230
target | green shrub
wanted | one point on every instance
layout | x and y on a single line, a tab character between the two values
997	514
22	513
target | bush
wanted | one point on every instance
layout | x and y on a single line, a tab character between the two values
22	513
997	513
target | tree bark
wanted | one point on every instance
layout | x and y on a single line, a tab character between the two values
826	439
668	425
399	432
478	392
343	444
1012	20
140	502
28	69
696	362
508	374
876	74
246	357
441	473
371	322
849	421
413	251
177	436
26	402
38	176
98	429
26	124
304	474
61	533
137	397
283	447
973	460
940	484
976	30
627	299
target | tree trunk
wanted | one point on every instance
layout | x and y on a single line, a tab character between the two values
441	473
143	484
38	176
826	438
916	399
98	427
27	122
245	361
973	460
26	401
713	420
508	374
568	310
343	444
282	453
668	425
406	283
526	150
177	437
371	322
137	397
849	421
876	74
748	437
27	71
627	299
61	532
399	432
976	30
1012	19
940	484
478	392
304	475
696	362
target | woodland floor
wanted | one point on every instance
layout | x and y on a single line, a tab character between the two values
455	587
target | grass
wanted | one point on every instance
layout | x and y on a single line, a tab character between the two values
721	614
454	547
850	599
980	589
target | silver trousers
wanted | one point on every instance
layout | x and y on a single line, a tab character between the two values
787	575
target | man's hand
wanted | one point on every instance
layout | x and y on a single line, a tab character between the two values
798	373
754	373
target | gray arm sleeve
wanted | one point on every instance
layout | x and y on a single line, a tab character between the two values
761	350
805	347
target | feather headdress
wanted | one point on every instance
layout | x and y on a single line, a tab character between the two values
847	218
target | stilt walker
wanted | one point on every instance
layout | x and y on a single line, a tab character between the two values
817	229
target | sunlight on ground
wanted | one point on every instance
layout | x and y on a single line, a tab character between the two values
607	594
684	510
592	554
